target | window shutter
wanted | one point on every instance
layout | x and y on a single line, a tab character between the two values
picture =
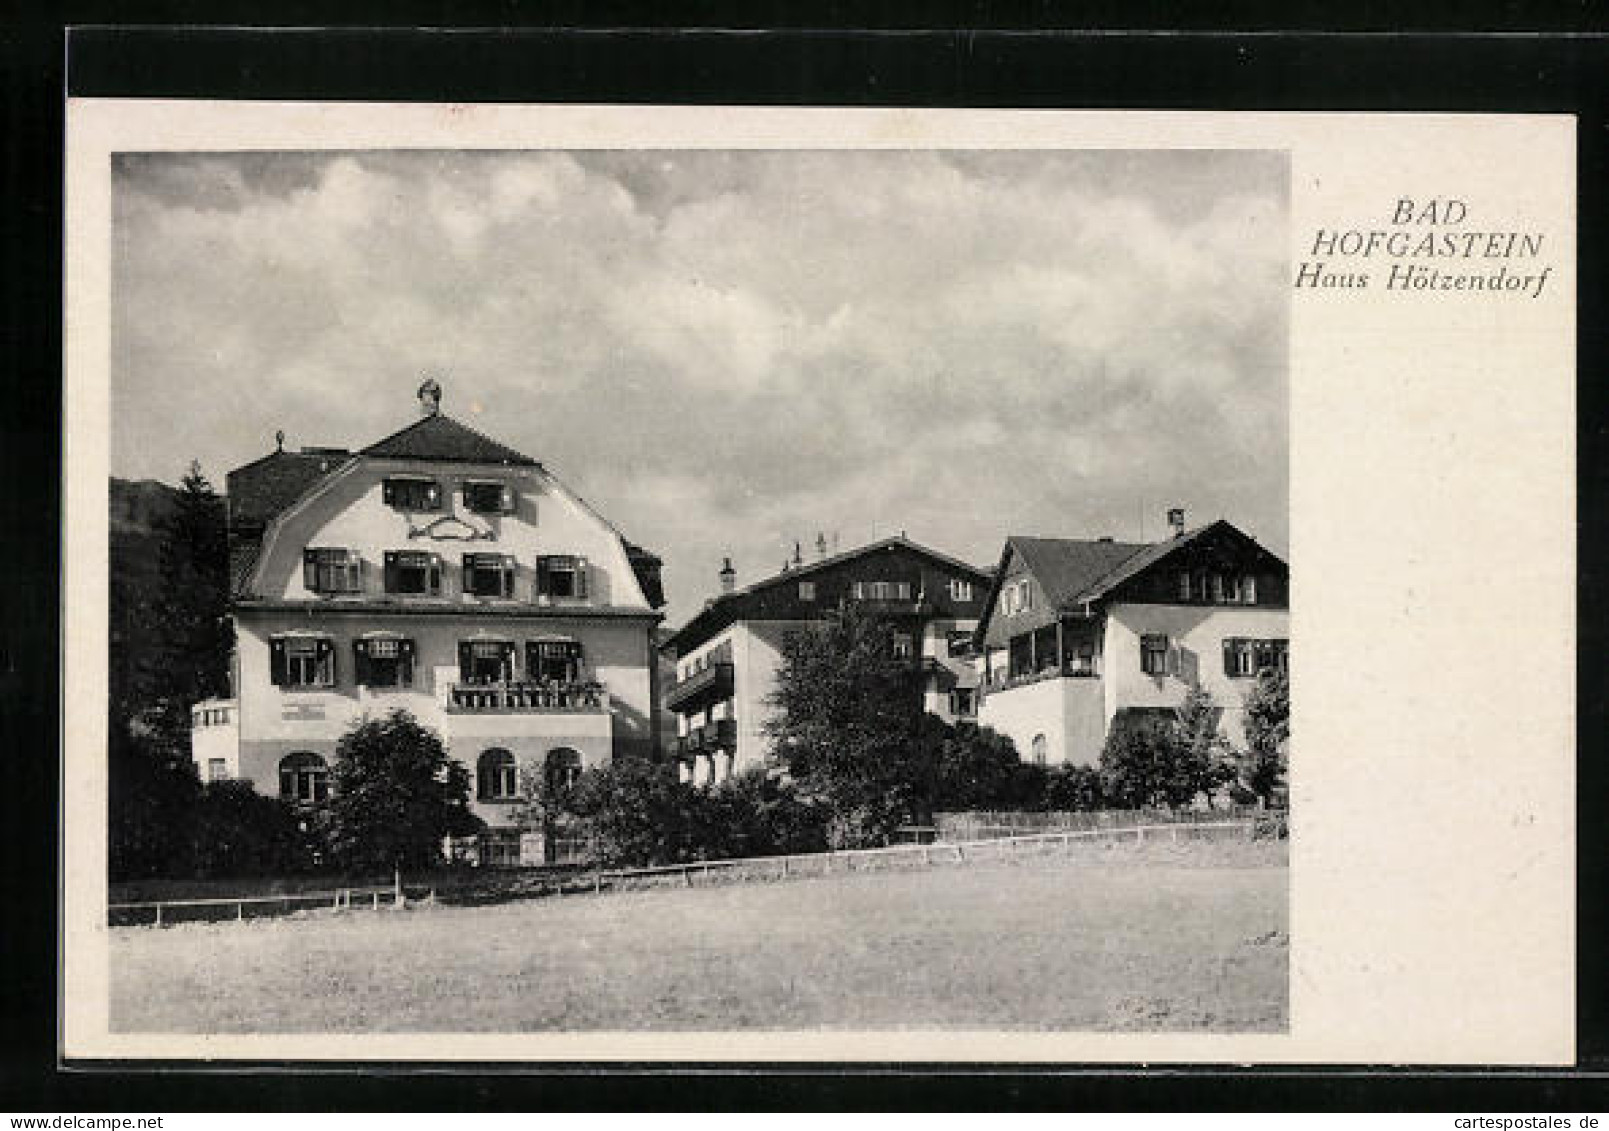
581	578
310	571
433	577
433	496
390	572
465	660
277	673
508	577
326	656
360	662
1230	648
388	492
506	500
544	586
467	573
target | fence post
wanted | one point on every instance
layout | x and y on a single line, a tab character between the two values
597	882
1139	833
784	866
240	911
927	857
377	901
159	914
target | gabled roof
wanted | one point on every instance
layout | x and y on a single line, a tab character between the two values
265	487
721	611
1066	567
1073	571
444	439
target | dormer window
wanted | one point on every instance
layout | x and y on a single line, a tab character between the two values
328	569
413	573
561	575
488	575
412	493
488	497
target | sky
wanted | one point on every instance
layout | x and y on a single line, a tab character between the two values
728	352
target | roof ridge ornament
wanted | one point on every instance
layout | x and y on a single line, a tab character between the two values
430	397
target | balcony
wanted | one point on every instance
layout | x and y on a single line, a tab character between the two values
710	685
1073	669
719	735
527	698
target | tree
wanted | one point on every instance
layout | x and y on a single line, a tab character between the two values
395	796
1071	789
1268	729
758	813
1152	759
847	726
188	631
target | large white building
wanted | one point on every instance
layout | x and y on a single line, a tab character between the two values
442	572
1077	632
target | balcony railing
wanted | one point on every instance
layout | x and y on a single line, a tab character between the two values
1000	681
517	697
711	683
719	735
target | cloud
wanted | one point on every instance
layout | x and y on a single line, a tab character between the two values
728	351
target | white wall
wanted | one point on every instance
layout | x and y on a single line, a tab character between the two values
351	512
1197	633
1069	712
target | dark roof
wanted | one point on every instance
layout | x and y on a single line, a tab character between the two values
1066	567
443	438
262	489
1147	557
721	611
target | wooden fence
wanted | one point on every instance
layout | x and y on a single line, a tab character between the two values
983	825
742	869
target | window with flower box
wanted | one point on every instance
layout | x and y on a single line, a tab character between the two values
412	573
561	576
383	661
301	661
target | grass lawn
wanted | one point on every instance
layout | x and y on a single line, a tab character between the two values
1187	937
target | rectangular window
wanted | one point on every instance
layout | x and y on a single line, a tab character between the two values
1272	655
485	661
553	661
962	704
217	769
902	645
486	497
960	590
881	591
1218	588
1239	660
1248	589
327	569
383	661
807	590
958	642
488	575
561	576
411	493
1184	585
1082	659
302	661
1154	655
413	573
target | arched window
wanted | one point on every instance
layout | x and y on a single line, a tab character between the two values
563	768
497	775
304	777
1039	750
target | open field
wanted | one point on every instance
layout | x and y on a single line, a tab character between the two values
1167	937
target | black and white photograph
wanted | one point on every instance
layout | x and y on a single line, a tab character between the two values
789	599
699	590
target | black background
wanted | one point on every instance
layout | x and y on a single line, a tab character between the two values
943	55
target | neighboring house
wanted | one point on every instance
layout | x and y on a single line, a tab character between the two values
728	655
1077	632
440	572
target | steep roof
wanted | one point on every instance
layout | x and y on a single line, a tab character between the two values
442	438
265	487
1147	557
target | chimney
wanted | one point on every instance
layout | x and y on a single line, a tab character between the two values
821	544
798	555
1176	520
728	577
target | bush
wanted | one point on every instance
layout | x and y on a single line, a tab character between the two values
639	814
1162	761
239	832
1073	789
757	813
